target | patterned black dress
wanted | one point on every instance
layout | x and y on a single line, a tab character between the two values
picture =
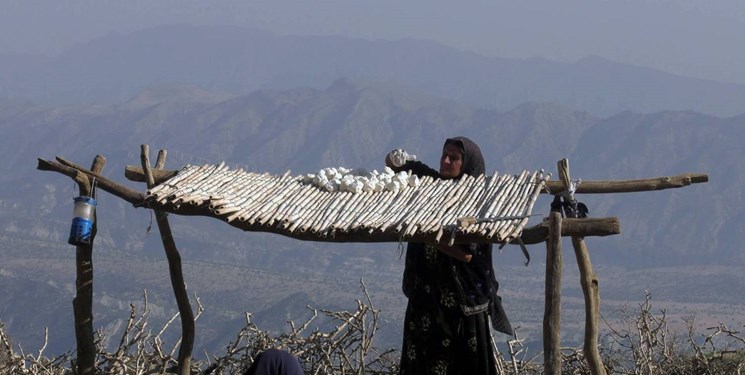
446	328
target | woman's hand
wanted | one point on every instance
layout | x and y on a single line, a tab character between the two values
455	251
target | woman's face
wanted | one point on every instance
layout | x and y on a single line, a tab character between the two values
451	161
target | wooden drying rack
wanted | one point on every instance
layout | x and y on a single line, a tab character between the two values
549	231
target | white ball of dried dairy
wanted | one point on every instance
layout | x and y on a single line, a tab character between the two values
320	180
356	187
393	186
359	180
399	157
413	180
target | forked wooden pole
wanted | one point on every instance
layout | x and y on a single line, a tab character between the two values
174	267
82	304
552	312
590	289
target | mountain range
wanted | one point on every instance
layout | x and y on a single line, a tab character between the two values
271	103
113	68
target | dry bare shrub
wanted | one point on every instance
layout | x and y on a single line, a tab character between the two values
22	364
139	350
644	344
641	344
346	347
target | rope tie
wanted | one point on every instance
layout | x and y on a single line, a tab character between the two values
569	193
565	203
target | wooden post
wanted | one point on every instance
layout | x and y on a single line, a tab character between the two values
552	312
590	290
82	304
174	267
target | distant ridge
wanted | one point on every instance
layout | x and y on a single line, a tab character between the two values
115	67
183	94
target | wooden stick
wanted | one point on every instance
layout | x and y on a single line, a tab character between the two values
591	292
552	312
177	277
590	289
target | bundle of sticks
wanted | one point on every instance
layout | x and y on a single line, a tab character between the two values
495	206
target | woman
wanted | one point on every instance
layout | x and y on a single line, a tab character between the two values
452	290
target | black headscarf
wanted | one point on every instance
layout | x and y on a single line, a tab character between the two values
473	162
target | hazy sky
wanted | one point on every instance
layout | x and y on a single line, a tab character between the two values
700	38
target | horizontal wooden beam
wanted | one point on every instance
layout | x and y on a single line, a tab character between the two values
629	186
574	227
134	173
72	170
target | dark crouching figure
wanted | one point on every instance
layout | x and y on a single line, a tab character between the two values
452	290
275	362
